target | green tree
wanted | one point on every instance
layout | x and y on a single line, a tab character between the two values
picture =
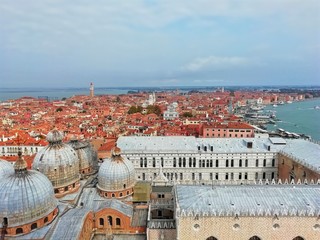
187	114
132	109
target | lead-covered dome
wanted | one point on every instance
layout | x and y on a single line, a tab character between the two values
116	177
6	169
60	163
85	156
27	198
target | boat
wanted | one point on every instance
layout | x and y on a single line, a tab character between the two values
275	105
316	107
281	103
289	101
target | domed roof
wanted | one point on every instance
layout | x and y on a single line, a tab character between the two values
6	169
58	161
26	196
54	136
84	152
116	173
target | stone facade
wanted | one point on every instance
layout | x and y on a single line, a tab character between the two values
247	227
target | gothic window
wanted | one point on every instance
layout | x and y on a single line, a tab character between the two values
184	162
246	176
19	230
273	162
240	176
232	163
264	162
174	162
153	162
217	163
240	163
246	163
212	238
211	163
45	219
190	162
264	175
194	162
257	162
255	238
145	162
179	162
298	238
227	163
141	162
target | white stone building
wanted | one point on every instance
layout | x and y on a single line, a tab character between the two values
203	160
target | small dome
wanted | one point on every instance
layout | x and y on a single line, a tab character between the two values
116	173
85	155
6	169
58	161
54	136
26	196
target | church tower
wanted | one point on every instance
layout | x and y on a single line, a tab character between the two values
91	90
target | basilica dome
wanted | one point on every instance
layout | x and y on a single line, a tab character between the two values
6	169
27	200
85	156
60	163
116	177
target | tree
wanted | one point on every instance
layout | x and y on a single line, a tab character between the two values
132	109
187	114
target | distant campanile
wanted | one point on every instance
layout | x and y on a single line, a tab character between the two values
91	90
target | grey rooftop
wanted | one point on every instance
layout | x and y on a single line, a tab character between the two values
248	200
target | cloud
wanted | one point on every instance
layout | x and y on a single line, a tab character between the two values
216	63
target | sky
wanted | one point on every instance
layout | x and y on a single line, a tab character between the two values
135	43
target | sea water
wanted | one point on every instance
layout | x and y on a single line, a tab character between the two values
298	117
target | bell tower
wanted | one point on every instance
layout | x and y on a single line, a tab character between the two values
91	90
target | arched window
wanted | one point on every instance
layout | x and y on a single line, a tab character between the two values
120	194
34	226
118	222
212	238
113	195
298	238
101	221
110	220
45	219
19	230
255	238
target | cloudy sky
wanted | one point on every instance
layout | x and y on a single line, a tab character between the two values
62	43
